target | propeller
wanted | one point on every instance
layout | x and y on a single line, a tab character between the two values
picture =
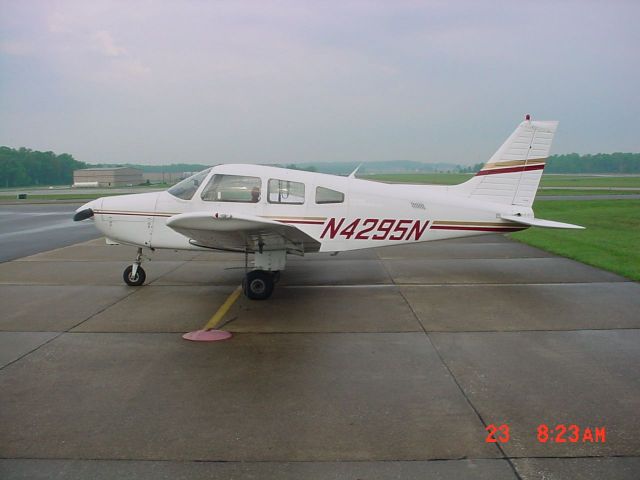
83	215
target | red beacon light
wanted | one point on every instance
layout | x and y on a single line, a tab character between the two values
527	117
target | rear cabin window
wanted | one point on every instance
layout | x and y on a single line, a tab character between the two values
232	188
187	187
326	195
285	191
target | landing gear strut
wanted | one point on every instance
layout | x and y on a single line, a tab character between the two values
134	274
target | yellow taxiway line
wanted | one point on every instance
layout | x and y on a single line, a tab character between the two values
224	308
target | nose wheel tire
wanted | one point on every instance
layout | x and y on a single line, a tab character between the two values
134	280
258	285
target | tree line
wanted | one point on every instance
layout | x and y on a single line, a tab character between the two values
25	167
618	162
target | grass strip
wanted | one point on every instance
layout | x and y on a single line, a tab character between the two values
611	240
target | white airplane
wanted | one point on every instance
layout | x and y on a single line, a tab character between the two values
272	212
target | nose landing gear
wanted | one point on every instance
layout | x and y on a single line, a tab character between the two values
134	275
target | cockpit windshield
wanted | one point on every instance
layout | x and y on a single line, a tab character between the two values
187	187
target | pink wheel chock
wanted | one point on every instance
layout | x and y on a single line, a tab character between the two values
207	335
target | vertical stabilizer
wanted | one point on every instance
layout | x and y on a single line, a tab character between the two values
513	173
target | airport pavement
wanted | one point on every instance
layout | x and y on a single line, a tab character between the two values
378	364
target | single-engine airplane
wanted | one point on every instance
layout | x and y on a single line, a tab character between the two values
274	212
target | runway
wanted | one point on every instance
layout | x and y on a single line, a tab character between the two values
389	363
32	228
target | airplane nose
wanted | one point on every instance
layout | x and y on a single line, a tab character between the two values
86	210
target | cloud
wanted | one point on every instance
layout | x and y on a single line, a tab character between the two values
135	68
16	48
292	81
107	45
57	22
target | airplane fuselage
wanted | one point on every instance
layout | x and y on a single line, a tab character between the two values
372	214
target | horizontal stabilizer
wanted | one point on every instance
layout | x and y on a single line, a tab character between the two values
538	222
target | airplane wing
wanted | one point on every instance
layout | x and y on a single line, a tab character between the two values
237	232
538	222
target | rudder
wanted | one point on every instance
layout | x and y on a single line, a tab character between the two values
513	173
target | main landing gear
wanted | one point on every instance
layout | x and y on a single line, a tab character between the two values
134	274
258	284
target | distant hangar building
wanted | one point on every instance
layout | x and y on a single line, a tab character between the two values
107	177
165	177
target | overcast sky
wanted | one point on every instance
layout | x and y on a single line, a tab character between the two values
293	81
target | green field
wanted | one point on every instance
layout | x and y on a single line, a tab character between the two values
581	183
589	181
573	181
610	241
543	192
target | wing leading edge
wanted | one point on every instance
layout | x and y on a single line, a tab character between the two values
241	233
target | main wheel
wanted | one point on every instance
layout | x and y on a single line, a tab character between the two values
136	280
258	285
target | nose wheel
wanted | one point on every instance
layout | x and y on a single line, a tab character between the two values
134	275
132	278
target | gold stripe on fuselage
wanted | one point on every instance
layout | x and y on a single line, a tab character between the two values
515	163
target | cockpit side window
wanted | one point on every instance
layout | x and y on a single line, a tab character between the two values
187	187
232	188
285	191
326	195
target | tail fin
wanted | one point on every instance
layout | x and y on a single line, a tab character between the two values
513	173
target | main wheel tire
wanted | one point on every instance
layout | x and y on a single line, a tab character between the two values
258	285
136	281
